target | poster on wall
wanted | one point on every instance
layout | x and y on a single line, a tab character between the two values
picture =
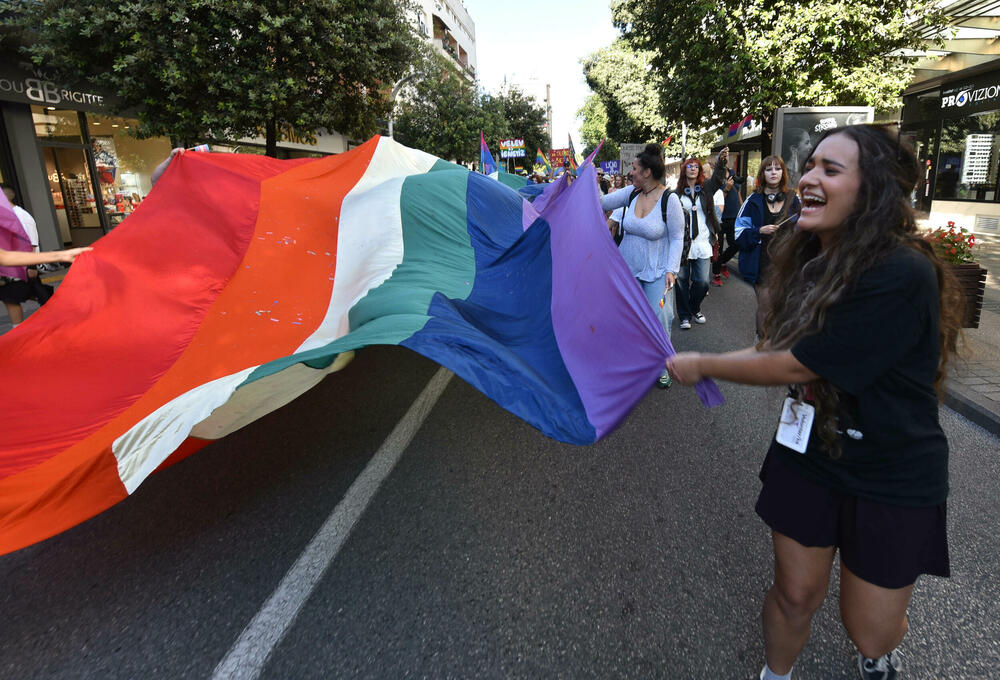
105	158
797	131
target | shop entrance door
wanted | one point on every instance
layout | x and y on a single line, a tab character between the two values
70	169
924	142
73	195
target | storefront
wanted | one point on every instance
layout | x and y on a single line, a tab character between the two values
76	167
954	124
72	163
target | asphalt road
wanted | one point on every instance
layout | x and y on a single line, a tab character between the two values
489	551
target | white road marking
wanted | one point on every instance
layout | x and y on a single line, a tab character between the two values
248	655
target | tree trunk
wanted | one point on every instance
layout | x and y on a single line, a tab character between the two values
766	134
271	145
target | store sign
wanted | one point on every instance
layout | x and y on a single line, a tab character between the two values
970	98
512	148
25	83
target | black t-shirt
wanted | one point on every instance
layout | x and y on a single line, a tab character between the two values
879	347
794	208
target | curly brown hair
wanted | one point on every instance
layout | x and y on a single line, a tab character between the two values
806	281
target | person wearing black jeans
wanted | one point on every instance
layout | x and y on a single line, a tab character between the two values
727	238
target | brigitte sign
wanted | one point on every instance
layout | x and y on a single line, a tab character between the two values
27	84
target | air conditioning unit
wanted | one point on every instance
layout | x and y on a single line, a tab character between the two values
986	223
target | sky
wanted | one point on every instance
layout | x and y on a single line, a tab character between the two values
534	42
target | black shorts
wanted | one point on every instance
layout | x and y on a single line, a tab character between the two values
14	290
886	545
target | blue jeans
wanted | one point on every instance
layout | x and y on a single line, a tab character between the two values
692	284
654	292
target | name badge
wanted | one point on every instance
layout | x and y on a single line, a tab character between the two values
796	424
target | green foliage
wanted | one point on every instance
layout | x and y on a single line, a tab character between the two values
442	113
229	68
622	77
718	60
439	111
595	128
511	113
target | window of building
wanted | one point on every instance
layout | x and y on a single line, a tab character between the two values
57	125
97	171
124	163
968	159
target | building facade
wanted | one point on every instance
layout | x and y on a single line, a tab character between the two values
76	167
951	113
446	24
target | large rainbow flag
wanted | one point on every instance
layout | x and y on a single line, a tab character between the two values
242	281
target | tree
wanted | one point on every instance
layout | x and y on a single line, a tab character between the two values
439	111
229	68
629	89
511	113
719	60
595	128
442	113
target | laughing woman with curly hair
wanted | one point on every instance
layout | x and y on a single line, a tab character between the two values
864	318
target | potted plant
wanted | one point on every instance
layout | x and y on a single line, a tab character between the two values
956	246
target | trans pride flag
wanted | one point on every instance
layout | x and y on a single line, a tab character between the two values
197	316
486	163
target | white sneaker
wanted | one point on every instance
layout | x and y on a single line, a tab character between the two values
883	668
685	325
700	318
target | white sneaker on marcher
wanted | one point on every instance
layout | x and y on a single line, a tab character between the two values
700	318
885	667
685	324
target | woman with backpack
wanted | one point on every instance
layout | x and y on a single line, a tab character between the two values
696	195
652	234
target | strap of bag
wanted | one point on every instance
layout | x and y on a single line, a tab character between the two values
663	203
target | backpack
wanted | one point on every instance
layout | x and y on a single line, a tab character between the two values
663	211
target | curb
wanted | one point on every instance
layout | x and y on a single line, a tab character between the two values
965	402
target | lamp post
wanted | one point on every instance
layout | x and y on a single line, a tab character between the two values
392	96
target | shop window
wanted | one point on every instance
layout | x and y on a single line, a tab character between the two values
72	195
57	125
968	159
124	163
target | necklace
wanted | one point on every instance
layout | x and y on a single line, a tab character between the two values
644	192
